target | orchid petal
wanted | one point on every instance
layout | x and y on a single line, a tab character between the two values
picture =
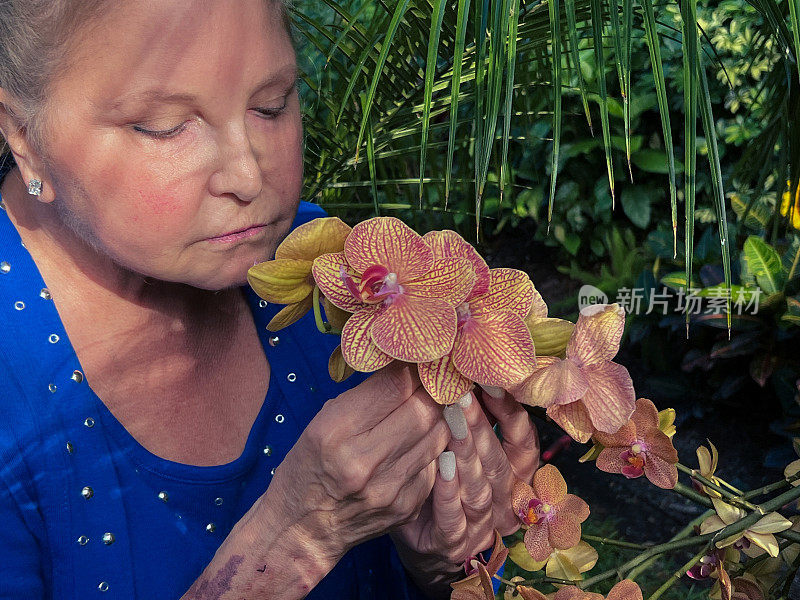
659	444
574	420
388	242
335	315
570	592
442	380
448	243
771	523
583	556
358	349
509	289
727	512
521	495
338	368
310	240
281	281
549	485
575	506
625	590
597	335
529	593
611	461
610	399
289	314
554	382
711	524
519	554
537	542
550	336
645	416
624	438
766	541
495	349
327	271
539	307
414	329
560	566
662	473
565	531
451	279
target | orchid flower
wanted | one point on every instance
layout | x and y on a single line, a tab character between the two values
707	461
640	448
585	391
492	345
754	541
561	564
287	279
624	590
402	298
475	566
552	516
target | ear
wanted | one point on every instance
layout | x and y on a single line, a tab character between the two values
27	158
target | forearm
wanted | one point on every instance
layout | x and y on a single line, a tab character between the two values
431	575
269	555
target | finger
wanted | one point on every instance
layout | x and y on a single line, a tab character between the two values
476	492
520	438
450	522
495	465
417	458
379	395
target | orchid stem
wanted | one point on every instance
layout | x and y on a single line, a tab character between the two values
673	579
734	499
689	493
613	542
321	324
772	487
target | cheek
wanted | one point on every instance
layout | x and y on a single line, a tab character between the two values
156	203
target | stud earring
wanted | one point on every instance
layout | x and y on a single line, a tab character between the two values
34	187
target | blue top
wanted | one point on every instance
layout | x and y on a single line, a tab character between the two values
86	511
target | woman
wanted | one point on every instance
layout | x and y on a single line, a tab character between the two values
155	442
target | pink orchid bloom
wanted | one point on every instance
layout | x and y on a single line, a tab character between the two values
585	391
402	297
553	517
492	345
624	590
640	448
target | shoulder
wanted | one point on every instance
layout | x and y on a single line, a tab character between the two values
308	212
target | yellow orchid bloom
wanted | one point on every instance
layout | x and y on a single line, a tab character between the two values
287	279
754	541
707	460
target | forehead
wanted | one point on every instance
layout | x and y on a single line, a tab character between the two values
194	47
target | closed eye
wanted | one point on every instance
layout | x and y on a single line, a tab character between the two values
161	133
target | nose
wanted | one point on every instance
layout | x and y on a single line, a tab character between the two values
237	172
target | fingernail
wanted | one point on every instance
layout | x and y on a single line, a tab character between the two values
447	465
454	415
494	391
465	400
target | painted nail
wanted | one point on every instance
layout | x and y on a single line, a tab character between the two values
465	400
494	391
454	415
447	465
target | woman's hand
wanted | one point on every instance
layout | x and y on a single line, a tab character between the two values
365	464
459	518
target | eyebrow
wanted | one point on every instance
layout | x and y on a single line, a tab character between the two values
286	76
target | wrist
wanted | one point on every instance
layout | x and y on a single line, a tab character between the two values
292	543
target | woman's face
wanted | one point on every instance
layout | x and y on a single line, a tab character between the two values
173	138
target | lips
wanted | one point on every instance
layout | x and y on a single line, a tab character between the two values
238	234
